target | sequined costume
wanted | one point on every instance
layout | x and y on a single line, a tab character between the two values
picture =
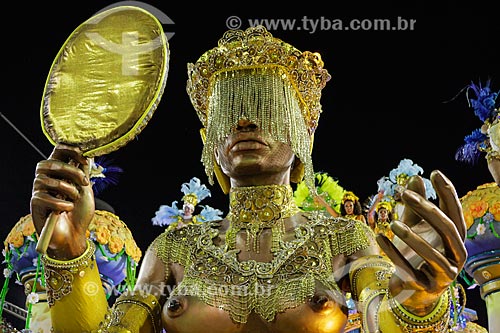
267	266
303	267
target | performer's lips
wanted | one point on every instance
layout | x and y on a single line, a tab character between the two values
248	145
248	141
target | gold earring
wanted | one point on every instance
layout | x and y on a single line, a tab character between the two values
222	179
297	173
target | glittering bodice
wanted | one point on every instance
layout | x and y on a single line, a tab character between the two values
214	274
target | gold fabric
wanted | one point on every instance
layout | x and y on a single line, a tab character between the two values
214	274
106	81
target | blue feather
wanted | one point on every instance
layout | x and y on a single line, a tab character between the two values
109	175
208	214
166	215
195	186
484	103
471	150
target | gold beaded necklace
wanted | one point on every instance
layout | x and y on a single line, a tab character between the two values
256	208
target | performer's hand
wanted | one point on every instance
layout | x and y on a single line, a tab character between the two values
62	186
434	234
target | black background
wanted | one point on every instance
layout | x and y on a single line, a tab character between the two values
391	97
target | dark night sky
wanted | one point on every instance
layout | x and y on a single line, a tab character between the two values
391	97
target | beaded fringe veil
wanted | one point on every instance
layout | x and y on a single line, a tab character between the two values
264	96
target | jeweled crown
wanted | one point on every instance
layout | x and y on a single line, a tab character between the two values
256	48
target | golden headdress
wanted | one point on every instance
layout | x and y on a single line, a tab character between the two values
262	79
349	196
384	204
190	199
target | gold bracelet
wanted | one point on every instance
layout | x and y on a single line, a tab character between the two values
436	321
365	301
59	274
370	272
130	312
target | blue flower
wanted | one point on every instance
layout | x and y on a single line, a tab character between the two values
488	218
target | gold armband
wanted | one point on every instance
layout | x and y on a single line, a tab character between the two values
369	278
60	275
370	273
131	312
74	292
436	321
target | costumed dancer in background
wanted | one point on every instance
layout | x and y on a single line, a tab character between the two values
328	194
390	187
267	266
383	218
175	218
481	206
351	207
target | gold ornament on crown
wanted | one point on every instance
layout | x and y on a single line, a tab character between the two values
254	76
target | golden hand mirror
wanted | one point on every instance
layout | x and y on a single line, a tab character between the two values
104	85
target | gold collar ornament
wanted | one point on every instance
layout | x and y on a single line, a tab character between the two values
256	208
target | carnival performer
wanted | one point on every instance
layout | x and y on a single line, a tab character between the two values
383	214
175	218
351	207
267	266
390	187
328	195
